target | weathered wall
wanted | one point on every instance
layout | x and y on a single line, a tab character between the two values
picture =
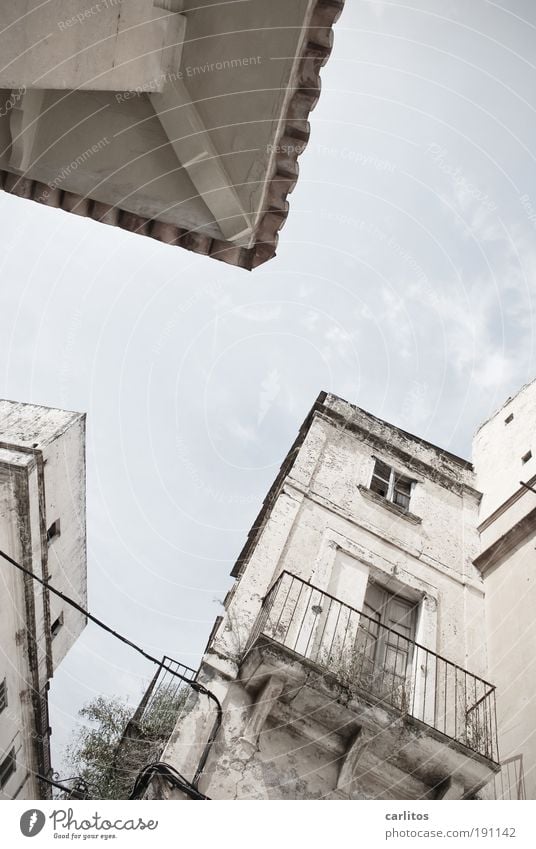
16	721
65	484
326	528
42	479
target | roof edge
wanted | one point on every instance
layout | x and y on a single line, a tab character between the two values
505	404
462	461
320	406
271	497
289	144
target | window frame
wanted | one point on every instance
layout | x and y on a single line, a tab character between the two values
54	531
57	625
3	695
394	478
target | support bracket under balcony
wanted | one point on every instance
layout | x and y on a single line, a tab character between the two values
262	706
452	788
351	760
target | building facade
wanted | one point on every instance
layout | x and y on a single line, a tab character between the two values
504	455
178	119
352	658
43	528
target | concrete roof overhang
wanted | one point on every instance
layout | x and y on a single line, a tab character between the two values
209	99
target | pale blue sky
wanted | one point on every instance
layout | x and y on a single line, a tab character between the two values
404	282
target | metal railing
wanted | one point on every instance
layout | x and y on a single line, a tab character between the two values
165	697
151	725
509	783
369	657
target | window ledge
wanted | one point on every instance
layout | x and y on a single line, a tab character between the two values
388	505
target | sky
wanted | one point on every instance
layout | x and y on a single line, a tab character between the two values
404	282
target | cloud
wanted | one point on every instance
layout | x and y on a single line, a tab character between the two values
258	312
378	7
269	391
240	431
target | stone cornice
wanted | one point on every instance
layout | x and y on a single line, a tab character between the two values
505	544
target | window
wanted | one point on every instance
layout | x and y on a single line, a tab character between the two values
390	485
57	625
509	418
7	767
526	457
54	530
3	695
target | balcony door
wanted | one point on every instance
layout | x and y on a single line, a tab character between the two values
385	644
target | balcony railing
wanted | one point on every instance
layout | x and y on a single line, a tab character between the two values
165	697
370	658
150	727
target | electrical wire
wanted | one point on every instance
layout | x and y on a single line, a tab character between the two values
81	787
169	774
199	688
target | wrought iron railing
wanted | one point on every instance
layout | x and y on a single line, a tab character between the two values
367	656
509	783
150	727
165	697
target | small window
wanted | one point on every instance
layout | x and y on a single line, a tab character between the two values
509	418
3	695
526	457
7	767
57	625
54	530
391	485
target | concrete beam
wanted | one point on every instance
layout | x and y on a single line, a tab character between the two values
197	154
351	759
24	122
107	45
261	709
313	731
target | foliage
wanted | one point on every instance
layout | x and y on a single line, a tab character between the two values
107	758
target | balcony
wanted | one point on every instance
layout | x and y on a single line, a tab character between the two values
430	719
149	728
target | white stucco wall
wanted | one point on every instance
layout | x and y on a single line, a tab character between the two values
498	449
508	539
511	637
